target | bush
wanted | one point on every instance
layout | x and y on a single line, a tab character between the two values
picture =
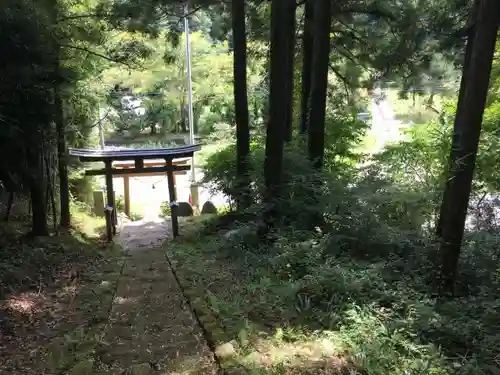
211	122
305	192
120	206
165	210
371	281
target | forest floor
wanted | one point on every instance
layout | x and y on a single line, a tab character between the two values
74	305
239	312
303	308
85	307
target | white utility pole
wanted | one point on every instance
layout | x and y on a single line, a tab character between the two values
190	88
101	137
101	130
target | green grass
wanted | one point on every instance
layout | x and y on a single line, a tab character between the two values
312	308
418	111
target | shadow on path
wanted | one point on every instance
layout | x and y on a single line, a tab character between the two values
150	325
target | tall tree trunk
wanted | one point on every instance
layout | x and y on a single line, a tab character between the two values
241	104
36	182
11	187
62	153
289	68
10	202
39	212
278	108
50	197
319	82
307	57
453	161
468	121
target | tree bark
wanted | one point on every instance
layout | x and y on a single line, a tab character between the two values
319	82
468	122
39	212
62	153
241	104
49	167
276	126
460	107
36	183
289	68
307	57
10	202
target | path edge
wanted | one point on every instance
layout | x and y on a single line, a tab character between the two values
212	330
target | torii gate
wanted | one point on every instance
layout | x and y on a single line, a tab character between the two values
159	160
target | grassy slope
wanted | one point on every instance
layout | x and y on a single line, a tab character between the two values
312	309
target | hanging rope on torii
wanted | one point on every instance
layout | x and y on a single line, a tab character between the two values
140	162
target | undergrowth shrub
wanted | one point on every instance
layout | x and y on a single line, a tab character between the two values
370	280
306	191
378	303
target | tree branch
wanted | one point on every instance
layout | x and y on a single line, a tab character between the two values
97	54
98	123
350	34
79	16
342	78
191	12
348	55
379	13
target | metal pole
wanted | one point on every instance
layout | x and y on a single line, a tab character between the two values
190	88
101	136
101	130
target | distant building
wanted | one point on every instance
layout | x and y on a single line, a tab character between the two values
131	103
363	116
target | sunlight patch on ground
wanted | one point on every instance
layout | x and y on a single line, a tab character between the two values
90	226
314	354
122	301
56	328
25	303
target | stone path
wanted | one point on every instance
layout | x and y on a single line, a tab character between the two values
151	329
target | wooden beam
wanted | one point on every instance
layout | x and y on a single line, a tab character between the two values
161	174
144	154
173	201
114	212
139	163
110	225
126	193
148	163
143	171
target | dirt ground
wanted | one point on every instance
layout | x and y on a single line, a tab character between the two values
117	311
